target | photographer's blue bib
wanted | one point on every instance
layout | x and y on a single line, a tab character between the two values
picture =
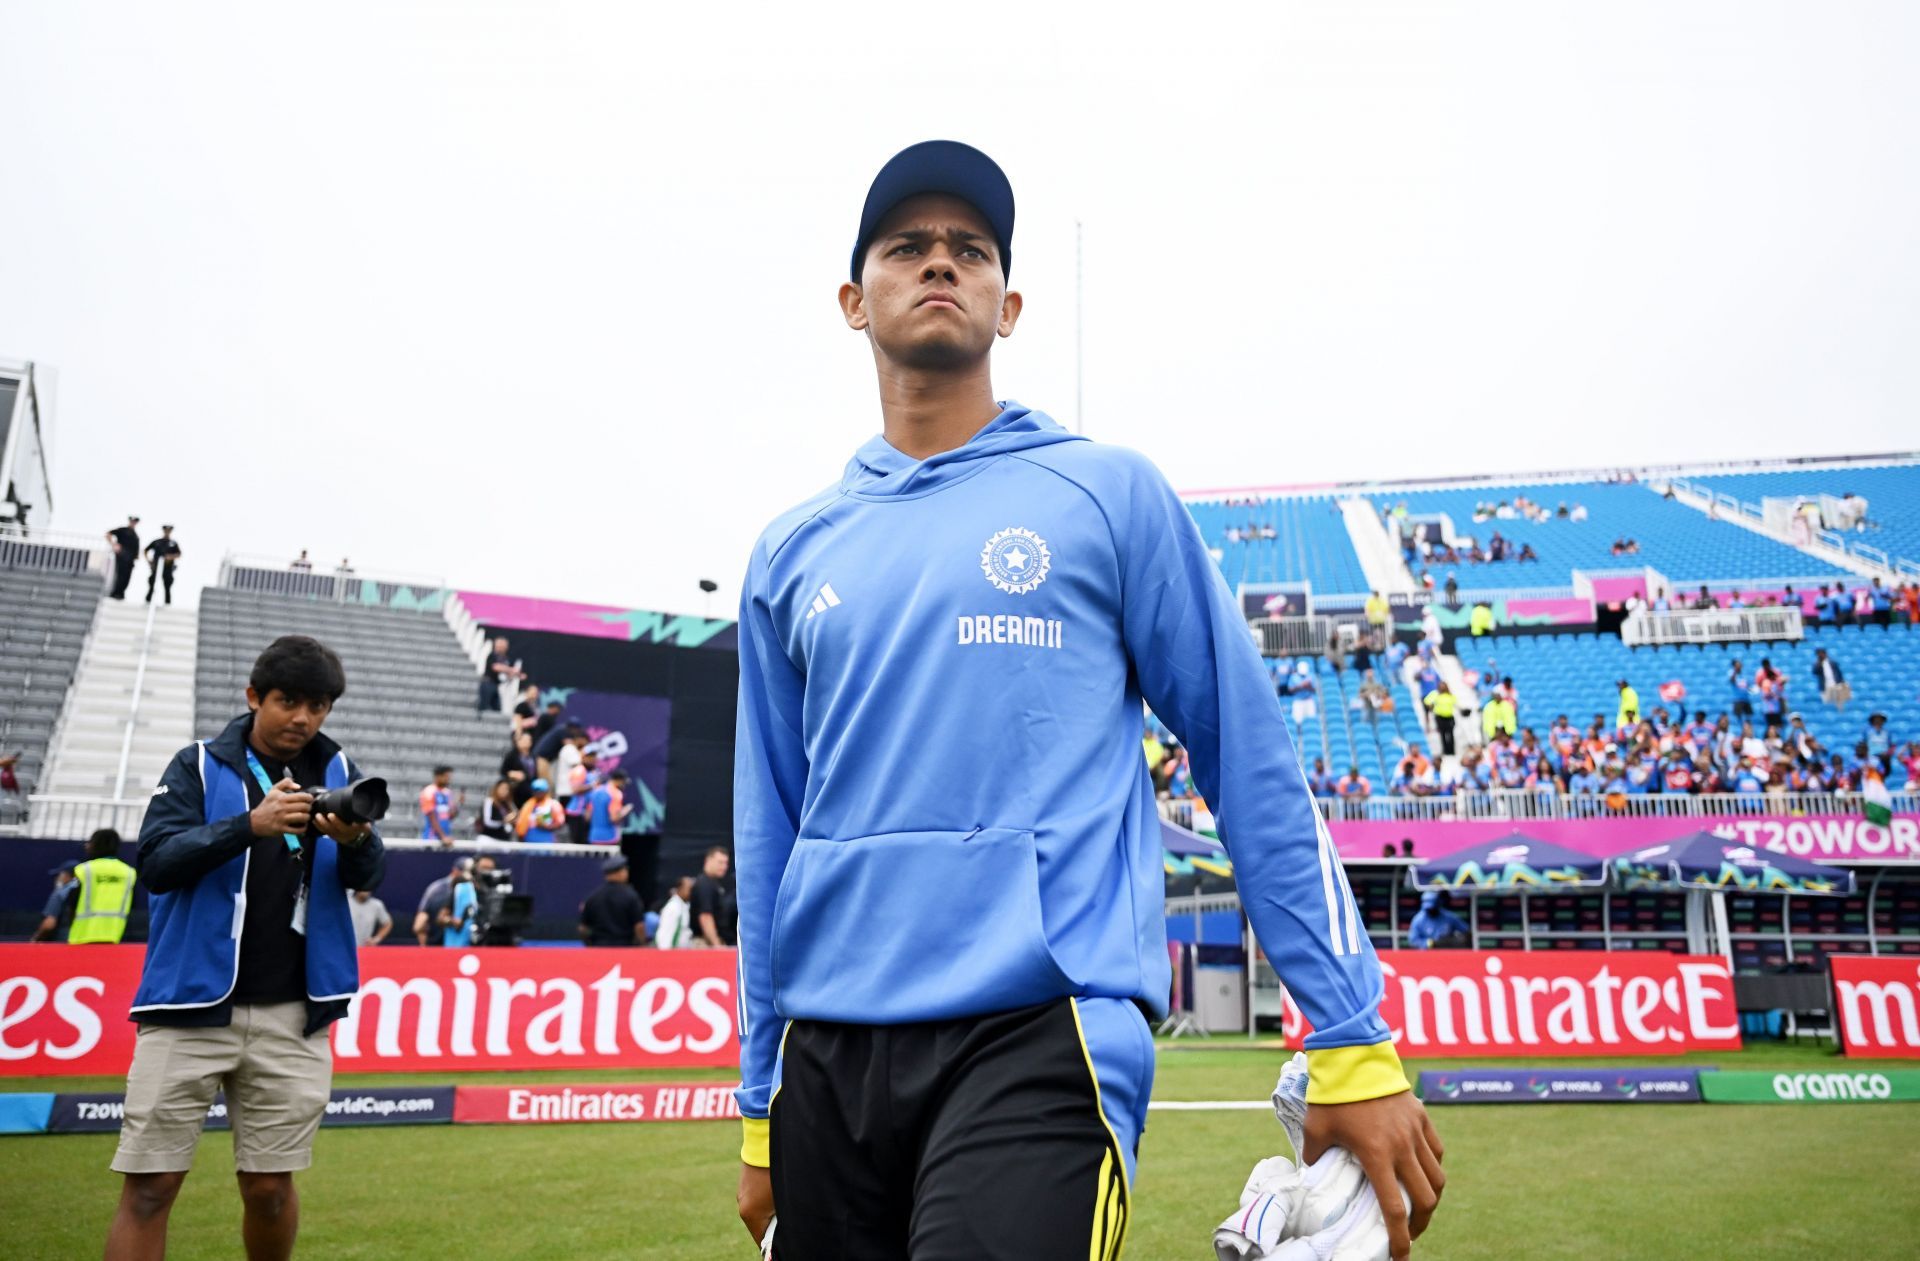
193	944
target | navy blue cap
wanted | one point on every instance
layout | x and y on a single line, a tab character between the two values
940	166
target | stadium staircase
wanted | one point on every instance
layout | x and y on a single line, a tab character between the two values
45	619
1376	547
137	649
409	704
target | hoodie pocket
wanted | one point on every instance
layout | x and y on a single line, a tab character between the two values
908	926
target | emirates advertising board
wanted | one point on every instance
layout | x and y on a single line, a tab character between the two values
63	1010
1442	1003
1877	1001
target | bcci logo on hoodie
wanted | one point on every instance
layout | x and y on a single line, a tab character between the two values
1015	560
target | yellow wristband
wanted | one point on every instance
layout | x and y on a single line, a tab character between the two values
756	1142
1348	1074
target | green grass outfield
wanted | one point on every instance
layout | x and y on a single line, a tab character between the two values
1528	1181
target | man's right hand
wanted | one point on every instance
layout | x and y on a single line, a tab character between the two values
755	1200
285	809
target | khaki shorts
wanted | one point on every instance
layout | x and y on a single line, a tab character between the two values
277	1081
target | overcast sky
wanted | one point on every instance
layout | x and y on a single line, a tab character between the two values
540	297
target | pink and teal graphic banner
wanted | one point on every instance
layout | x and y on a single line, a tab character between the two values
597	621
1818	836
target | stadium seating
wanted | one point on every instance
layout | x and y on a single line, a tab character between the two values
1892	492
410	689
44	621
1576	675
1312	543
1677	540
1351	739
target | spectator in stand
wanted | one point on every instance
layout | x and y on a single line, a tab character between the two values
371	923
1660	602
12	804
1430	632
499	675
1882	599
526	714
675	930
606	810
542	817
1741	689
1498	717
586	777
1375	699
1435	923
565	772
520	768
1629	706
456	920
1528	554
1910	761
548	720
125	542
1879	742
1319	780
1750	777
1377	614
715	912
1300	689
162	554
58	912
1834	689
300	564
1772	686
613	914
496	813
437	898
1443	703
1352	789
438	806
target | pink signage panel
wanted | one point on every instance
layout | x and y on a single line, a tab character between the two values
527	613
1815	837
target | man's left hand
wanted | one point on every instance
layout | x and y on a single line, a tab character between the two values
340	830
1395	1142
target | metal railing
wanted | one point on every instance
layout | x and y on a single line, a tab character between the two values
1293	636
1550	804
59	817
48	551
342	585
1707	626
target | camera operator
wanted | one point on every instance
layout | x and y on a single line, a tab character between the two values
251	952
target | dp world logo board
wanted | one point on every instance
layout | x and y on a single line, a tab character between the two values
1560	1085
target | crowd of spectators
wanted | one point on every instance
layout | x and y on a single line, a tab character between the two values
1758	745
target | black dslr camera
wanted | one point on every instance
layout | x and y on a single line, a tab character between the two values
362	801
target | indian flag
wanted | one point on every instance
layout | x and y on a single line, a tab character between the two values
1879	802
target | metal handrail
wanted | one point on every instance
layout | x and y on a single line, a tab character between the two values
1549	804
133	709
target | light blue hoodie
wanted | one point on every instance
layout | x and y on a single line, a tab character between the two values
941	807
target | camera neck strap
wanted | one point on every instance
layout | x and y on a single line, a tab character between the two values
266	788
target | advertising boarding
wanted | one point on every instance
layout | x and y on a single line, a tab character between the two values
64	1010
1490	1003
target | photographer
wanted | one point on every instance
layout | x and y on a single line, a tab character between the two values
251	954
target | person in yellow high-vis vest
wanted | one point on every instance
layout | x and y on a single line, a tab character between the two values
103	893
